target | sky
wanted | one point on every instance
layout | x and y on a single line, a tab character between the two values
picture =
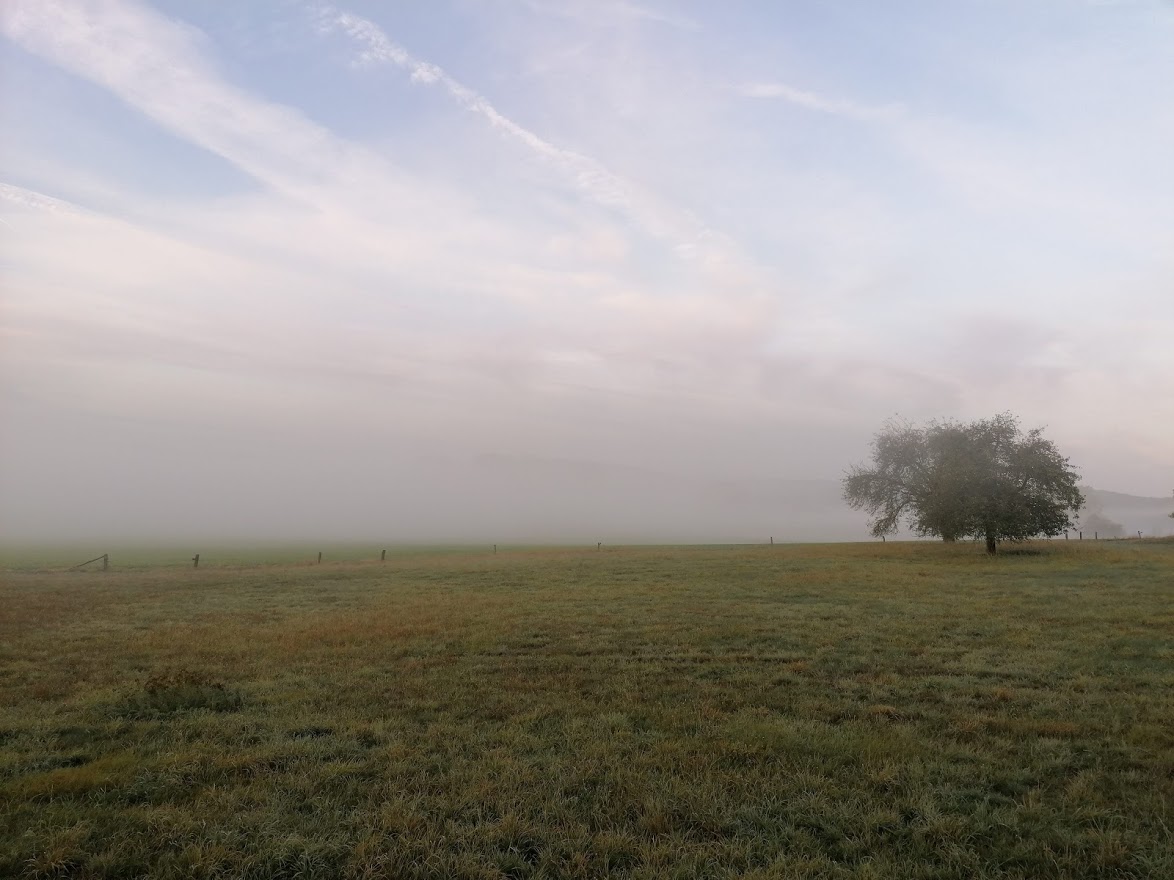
463	268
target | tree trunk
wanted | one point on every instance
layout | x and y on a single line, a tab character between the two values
991	545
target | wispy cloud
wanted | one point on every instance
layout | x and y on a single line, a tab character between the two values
612	12
156	65
27	198
153	63
989	170
588	175
369	223
818	103
377	48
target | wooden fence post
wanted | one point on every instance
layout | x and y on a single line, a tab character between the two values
196	561
319	557
383	556
105	557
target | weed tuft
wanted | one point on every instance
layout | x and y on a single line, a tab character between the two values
313	731
180	690
1022	551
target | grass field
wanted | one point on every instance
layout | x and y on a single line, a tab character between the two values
902	710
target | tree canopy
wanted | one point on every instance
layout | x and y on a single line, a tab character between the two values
986	479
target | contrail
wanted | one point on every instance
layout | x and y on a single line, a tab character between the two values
589	176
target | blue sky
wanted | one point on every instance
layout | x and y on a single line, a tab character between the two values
724	239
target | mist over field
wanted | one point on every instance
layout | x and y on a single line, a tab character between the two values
131	482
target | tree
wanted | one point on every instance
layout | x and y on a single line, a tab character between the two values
985	480
1099	524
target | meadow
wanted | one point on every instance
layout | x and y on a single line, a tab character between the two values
900	710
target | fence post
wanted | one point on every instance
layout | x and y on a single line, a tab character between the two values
105	557
319	557
495	548
383	556
599	545
196	561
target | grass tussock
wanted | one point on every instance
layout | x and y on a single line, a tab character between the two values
874	711
178	690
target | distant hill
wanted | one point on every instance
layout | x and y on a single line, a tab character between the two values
1135	513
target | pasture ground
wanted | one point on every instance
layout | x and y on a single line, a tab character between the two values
862	710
